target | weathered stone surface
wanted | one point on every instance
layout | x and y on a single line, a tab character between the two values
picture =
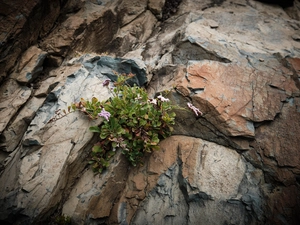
92	25
183	177
242	96
30	65
237	61
108	66
133	34
48	154
12	96
156	7
21	26
51	150
128	11
93	197
14	133
276	151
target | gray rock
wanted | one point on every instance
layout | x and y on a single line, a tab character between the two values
52	149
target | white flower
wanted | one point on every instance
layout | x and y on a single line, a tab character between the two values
153	101
162	98
195	109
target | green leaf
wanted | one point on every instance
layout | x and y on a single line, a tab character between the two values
143	122
103	135
114	144
95	129
97	149
94	100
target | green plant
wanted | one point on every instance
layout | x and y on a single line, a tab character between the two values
63	220
133	123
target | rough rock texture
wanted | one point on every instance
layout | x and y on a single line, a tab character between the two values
44	152
21	26
238	61
191	180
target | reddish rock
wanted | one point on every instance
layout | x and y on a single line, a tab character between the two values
233	97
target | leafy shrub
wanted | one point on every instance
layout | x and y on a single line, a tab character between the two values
133	123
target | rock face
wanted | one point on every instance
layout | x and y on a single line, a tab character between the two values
192	180
237	61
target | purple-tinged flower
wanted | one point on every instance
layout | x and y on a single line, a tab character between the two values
162	98
195	109
104	114
106	82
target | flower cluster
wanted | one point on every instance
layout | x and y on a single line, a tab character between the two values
106	82
162	98
104	114
133	123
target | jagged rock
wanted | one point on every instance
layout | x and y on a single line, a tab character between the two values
156	7
21	26
110	65
12	96
30	65
275	150
93	25
131	35
129	11
237	61
191	180
95	195
236	87
14	133
55	149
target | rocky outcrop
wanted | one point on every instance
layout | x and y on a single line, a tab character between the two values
191	180
42	143
238	61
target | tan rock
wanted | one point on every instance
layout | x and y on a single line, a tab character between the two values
138	31
206	167
235	60
30	65
156	7
131	10
15	131
11	99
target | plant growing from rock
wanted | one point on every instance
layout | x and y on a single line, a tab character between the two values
133	123
63	220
